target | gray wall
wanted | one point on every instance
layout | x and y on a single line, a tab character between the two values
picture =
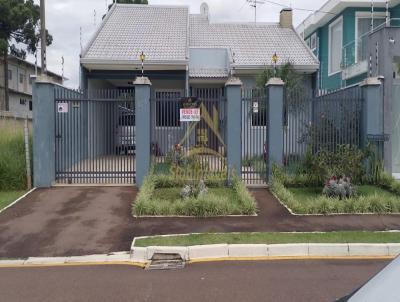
384	67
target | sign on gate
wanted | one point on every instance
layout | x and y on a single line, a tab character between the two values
62	107
190	111
190	115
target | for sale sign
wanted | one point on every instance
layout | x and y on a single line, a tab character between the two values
190	115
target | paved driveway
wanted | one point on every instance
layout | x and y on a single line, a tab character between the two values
67	221
75	221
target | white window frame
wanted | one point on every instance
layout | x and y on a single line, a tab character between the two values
365	15
334	23
182	92
313	37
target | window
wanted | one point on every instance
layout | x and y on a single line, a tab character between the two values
9	75
363	27
22	102
21	78
30	105
335	46
308	42
313	42
167	108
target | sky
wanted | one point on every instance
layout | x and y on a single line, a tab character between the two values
65	18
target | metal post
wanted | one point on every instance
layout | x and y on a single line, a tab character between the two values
43	37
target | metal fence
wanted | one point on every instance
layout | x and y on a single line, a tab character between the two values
194	149
95	136
322	122
254	136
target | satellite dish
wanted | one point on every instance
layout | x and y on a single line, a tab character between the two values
204	9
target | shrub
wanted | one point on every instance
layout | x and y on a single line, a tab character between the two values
339	188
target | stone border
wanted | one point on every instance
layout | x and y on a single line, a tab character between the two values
18	200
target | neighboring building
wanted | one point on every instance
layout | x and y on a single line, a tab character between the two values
20	79
339	33
185	52
351	48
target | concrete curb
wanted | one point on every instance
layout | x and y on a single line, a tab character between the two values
265	251
112	258
140	256
16	201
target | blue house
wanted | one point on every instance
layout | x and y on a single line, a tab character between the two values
339	34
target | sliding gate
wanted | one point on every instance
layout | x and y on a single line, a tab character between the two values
95	137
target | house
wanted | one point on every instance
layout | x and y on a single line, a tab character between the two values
188	55
19	75
339	34
354	40
185	52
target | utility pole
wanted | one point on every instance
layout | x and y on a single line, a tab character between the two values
43	37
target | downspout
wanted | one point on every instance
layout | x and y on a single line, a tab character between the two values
187	81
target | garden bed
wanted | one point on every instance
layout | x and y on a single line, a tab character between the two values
161	196
310	200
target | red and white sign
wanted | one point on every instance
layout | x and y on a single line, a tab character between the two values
190	115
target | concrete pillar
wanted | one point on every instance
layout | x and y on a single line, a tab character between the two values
142	133
372	118
275	123
43	133
234	129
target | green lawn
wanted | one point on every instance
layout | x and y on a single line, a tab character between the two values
271	238
8	197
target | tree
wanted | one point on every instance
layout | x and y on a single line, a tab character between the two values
293	80
19	23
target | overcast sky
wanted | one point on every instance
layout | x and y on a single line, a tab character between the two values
64	19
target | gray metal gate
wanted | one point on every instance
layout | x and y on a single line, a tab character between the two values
254	136
192	149
320	122
95	136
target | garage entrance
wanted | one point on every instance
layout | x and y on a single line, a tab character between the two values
95	136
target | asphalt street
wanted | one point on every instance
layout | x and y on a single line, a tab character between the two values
284	280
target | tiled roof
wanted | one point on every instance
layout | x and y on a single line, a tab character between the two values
165	33
251	44
208	73
159	31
